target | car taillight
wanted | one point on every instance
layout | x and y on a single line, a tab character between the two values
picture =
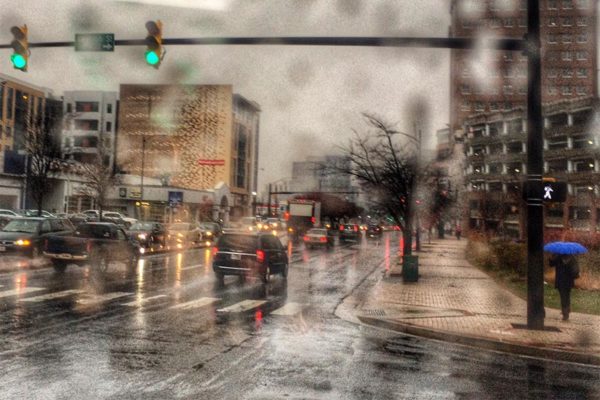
341	227
260	256
355	228
323	239
313	220
215	250
306	238
88	246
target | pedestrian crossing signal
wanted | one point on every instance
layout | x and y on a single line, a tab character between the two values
551	191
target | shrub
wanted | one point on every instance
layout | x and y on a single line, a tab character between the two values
510	256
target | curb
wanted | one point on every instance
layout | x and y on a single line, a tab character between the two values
488	344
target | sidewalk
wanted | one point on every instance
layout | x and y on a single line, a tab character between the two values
456	302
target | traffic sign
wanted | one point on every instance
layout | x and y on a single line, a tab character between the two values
94	42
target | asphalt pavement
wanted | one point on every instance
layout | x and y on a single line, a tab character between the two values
168	330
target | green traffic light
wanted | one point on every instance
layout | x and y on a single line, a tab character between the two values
18	61
152	58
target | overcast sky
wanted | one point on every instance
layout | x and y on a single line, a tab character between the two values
311	98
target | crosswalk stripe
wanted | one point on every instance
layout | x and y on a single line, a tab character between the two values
51	296
242	306
192	266
100	298
16	292
201	302
289	309
143	301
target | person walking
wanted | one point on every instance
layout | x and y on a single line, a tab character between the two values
458	232
567	270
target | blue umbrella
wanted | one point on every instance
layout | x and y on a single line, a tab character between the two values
565	248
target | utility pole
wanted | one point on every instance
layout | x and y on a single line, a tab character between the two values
535	163
269	205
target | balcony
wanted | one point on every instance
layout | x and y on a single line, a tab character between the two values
564	130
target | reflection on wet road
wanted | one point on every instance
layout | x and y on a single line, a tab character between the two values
168	330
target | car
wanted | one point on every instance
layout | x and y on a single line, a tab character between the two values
112	216
350	233
77	219
151	236
318	237
8	213
36	213
94	243
184	234
374	232
26	235
246	253
5	219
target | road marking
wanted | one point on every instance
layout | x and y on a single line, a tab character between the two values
16	292
289	309
93	299
242	306
201	302
143	301
192	266
51	296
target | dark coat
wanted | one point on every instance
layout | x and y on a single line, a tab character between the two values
567	270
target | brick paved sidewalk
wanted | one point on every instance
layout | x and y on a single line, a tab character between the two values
457	302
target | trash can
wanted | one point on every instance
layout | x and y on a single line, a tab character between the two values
410	268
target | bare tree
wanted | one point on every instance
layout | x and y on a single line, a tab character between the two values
386	168
98	176
43	154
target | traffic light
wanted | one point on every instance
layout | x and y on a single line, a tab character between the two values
154	52
20	45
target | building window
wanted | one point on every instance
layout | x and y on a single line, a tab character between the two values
581	91
507	89
522	90
109	108
514	148
515	126
466	24
496	148
465	89
86	124
69	107
495	186
86	106
479	106
567	73
583	38
478	150
508	56
582	73
552	22
584	165
552	4
582	55
478	169
465	72
108	126
509	22
567	38
580	213
582	117
566	90
514	168
552	73
566	21
583	4
558	143
552	39
10	93
582	21
558	165
522	22
494	106
566	55
582	142
495	168
567	4
508	106
465	106
552	90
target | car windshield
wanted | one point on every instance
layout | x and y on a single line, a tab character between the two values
97	231
22	225
246	243
317	232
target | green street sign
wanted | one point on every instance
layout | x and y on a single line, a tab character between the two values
94	42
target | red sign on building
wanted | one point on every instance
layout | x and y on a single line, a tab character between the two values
211	162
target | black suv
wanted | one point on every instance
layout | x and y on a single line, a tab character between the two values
374	232
350	233
246	253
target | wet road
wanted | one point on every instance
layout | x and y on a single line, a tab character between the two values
167	330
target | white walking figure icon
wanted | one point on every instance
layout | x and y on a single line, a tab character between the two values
548	194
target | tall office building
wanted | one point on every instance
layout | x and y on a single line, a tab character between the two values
496	81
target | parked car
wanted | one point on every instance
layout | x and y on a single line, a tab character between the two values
36	213
77	219
95	243
151	236
318	237
112	216
374	232
5	219
249	253
350	233
26	235
184	234
9	213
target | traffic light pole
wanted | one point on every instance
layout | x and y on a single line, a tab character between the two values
535	169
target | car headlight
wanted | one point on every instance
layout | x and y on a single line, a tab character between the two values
22	242
208	233
180	235
142	236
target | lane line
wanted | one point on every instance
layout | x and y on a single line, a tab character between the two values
242	306
289	309
192	267
143	301
52	296
16	292
201	302
93	299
